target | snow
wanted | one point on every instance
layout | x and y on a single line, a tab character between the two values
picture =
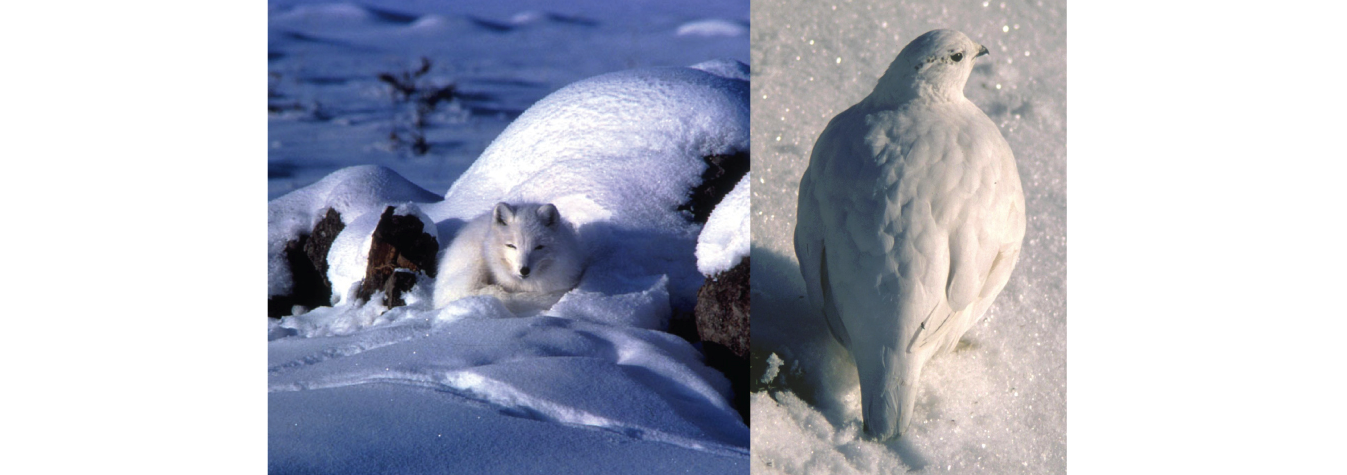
998	403
590	383
652	384
1202	268
726	68
350	250
353	192
331	111
639	124
577	375
724	240
655	122
713	27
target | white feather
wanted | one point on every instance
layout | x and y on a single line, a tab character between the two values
911	218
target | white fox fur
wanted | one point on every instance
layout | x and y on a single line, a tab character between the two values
513	249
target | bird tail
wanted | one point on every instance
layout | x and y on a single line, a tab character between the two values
888	392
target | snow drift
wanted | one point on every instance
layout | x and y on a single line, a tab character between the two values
617	154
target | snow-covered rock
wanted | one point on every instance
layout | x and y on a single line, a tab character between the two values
724	240
402	251
352	192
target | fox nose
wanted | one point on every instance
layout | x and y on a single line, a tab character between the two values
524	271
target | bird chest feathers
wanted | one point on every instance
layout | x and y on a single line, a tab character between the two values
946	159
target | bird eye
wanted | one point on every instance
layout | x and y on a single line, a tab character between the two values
957	57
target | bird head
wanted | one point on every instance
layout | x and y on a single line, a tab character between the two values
935	65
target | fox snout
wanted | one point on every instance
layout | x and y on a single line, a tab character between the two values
524	271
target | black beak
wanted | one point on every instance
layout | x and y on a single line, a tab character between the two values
982	50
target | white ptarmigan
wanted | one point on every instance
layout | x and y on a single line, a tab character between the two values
911	217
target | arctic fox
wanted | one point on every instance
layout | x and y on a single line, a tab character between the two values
514	249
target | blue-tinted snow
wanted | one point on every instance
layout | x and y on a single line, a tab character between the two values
591	384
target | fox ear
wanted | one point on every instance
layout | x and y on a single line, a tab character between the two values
503	212
548	214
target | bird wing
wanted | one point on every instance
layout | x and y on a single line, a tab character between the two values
809	236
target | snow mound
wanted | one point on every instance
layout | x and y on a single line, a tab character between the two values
334	13
617	154
712	27
436	23
726	68
724	240
352	192
528	17
623	147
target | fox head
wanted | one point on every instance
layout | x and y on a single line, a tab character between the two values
523	235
